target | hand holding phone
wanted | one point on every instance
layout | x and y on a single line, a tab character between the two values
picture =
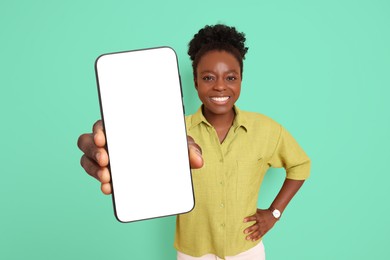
141	107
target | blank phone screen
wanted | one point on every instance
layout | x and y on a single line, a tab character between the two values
143	117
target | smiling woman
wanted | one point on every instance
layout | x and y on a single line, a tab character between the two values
238	148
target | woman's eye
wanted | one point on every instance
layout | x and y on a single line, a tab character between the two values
207	78
231	78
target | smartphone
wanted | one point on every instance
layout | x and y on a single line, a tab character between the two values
142	110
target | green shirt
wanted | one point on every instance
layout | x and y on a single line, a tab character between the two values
227	186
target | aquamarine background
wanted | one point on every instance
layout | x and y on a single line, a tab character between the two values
320	68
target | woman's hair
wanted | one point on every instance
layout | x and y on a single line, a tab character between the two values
217	37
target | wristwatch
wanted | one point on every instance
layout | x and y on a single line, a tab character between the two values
275	212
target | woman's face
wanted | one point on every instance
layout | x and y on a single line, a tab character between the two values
218	82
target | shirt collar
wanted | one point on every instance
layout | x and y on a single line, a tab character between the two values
239	120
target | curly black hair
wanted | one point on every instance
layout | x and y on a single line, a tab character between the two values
217	37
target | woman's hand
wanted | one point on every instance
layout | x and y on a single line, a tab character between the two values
264	221
195	153
95	158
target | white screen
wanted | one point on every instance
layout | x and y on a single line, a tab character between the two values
142	111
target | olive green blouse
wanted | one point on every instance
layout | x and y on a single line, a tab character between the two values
227	186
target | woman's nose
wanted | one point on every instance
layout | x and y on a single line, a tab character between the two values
220	84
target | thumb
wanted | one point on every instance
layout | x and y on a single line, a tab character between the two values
196	159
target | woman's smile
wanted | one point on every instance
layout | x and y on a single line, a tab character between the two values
220	100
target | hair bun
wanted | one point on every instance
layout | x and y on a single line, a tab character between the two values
215	35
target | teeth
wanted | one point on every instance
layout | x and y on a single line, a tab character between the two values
220	99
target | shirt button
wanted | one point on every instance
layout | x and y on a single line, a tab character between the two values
221	182
222	205
223	225
220	160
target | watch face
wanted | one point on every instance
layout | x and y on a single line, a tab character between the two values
276	213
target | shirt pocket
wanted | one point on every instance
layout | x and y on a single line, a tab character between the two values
249	177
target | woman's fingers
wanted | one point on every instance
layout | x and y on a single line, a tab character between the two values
106	188
195	153
98	134
87	145
90	166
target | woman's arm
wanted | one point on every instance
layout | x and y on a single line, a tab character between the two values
264	219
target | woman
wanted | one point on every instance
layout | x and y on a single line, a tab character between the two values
237	147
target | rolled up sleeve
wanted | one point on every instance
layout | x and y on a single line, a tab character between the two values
289	155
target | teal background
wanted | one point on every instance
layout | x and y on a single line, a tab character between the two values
320	68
